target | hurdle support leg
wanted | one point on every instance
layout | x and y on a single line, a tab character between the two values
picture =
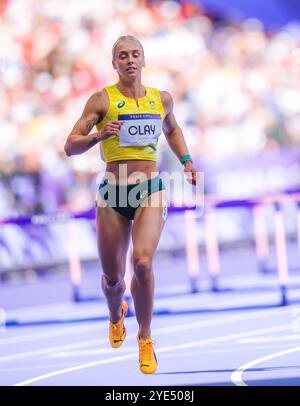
212	248
74	260
261	238
191	248
281	252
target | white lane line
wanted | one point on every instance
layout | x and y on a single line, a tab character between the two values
65	347
84	353
160	350
33	367
45	351
51	334
76	368
96	351
270	339
229	350
237	375
164	330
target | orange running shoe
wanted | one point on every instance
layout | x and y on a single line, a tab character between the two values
147	357
117	331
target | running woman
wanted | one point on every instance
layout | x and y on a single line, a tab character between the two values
131	201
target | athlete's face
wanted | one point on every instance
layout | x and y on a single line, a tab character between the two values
129	58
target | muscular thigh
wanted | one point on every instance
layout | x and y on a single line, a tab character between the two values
113	236
148	224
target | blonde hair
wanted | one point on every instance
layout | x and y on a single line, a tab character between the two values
124	38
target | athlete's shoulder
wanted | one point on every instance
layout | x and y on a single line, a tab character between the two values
166	100
99	99
98	103
109	88
100	95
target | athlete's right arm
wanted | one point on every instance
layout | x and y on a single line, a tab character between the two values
80	139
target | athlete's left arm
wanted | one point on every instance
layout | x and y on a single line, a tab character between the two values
174	135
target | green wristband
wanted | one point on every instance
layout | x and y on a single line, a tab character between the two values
185	158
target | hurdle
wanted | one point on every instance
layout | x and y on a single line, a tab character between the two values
191	217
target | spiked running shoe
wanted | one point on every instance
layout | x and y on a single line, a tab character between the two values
147	357
117	331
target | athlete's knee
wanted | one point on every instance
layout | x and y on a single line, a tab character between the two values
113	284
142	265
113	267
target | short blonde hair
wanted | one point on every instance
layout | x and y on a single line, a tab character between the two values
124	38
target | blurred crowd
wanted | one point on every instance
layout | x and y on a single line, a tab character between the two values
236	89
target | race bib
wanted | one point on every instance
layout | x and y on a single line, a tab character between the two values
139	129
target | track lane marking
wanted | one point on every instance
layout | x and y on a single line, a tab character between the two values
160	350
237	375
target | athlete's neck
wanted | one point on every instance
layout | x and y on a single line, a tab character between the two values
134	90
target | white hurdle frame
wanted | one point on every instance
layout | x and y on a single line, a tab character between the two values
211	243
